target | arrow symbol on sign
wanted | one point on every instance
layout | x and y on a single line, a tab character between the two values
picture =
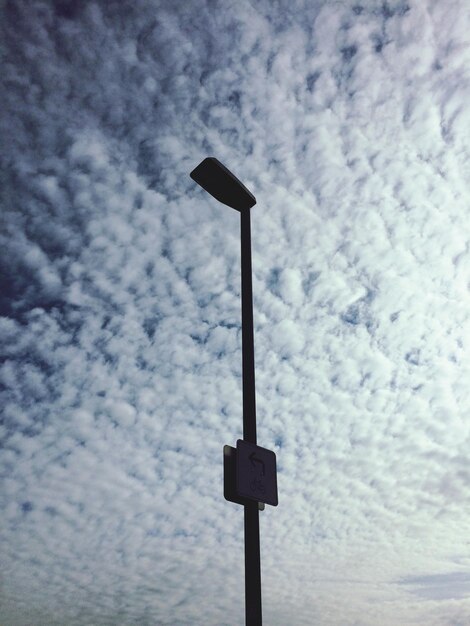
254	460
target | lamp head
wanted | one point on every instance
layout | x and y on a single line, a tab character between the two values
217	180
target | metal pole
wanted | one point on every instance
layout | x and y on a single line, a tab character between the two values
253	615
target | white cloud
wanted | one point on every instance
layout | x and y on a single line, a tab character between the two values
120	311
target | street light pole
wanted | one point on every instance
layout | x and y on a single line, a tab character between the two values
253	614
248	349
216	179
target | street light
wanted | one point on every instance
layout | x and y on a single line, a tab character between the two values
249	471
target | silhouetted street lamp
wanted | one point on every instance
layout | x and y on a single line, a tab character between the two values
249	471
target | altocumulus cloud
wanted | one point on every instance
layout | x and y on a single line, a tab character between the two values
120	311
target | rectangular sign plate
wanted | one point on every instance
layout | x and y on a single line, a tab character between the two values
230	478
256	473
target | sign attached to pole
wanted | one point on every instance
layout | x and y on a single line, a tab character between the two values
230	479
256	473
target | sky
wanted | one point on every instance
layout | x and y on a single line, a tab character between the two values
120	325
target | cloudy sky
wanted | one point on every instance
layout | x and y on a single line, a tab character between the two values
120	310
